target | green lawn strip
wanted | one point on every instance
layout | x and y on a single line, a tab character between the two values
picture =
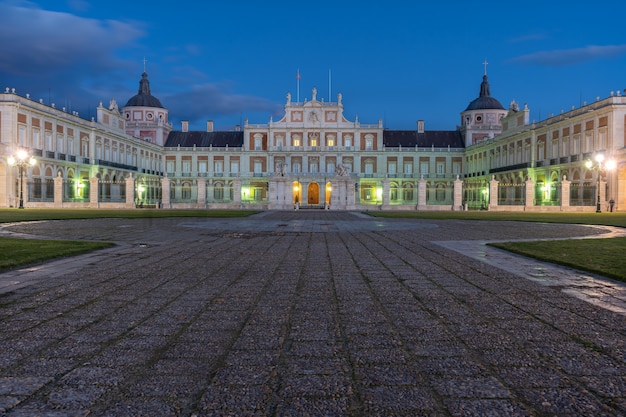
16	215
600	256
607	219
20	252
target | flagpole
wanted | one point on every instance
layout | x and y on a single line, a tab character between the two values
298	86
329	84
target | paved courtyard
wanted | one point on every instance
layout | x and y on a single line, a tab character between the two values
308	313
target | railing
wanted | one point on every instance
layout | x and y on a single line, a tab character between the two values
510	167
114	165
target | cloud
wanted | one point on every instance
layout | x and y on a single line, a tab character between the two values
565	57
33	40
63	58
211	101
76	62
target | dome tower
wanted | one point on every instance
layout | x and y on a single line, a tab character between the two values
146	118
481	119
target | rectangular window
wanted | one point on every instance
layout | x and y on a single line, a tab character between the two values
575	145
424	168
369	144
391	168
170	167
440	168
296	142
202	167
219	167
186	167
331	142
234	167
22	134
36	139
408	168
49	141
258	167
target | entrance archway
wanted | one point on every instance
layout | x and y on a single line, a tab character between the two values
329	189
297	192
313	193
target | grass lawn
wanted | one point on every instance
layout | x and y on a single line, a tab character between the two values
20	252
17	215
600	256
15	252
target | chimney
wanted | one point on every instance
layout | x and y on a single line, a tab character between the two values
185	126
420	126
209	126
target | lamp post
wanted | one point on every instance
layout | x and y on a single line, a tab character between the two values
599	165
21	160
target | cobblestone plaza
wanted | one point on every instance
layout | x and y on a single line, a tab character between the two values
308	313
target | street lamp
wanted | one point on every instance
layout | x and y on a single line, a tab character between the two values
599	166
21	161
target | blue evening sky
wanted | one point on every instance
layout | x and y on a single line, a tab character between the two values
394	60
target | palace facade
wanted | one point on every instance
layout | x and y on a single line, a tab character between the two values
313	157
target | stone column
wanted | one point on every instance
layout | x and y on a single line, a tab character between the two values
421	194
237	191
201	186
457	196
565	192
93	192
166	183
529	200
493	193
130	192
58	191
386	195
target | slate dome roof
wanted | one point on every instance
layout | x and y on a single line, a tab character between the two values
484	100
143	97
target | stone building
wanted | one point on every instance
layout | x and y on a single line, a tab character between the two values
313	157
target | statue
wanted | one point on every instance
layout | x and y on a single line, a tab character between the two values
342	170
281	169
113	105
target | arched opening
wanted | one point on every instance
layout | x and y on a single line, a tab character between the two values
297	192
329	189
313	193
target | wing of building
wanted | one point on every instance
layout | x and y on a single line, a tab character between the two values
313	157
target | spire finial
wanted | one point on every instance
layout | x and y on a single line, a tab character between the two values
144	63
485	63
